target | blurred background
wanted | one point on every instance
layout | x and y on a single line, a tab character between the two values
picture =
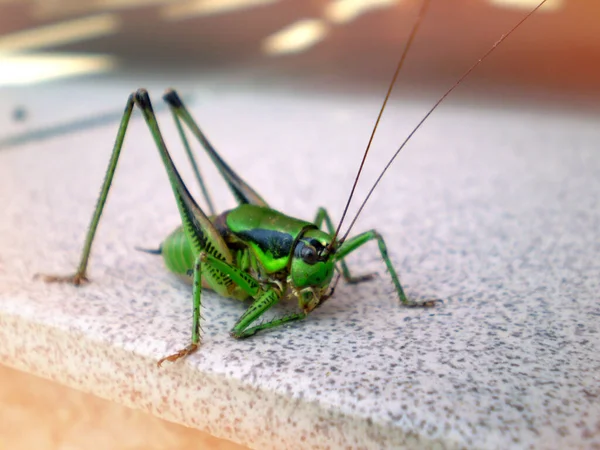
92	53
333	45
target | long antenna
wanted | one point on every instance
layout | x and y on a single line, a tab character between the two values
411	38
434	107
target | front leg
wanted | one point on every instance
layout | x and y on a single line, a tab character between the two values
263	300
242	328
358	241
323	216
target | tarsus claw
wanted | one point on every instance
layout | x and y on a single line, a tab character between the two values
76	279
180	354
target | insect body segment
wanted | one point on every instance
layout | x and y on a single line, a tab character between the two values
264	243
270	234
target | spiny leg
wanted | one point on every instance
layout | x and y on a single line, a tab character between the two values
214	257
194	164
242	328
196	328
198	228
264	299
204	238
80	276
323	216
207	265
358	241
240	189
203	264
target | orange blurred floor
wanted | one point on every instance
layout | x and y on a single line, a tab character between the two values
36	413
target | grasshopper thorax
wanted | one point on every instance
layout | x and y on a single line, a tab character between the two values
312	265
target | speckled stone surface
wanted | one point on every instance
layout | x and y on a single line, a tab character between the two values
497	212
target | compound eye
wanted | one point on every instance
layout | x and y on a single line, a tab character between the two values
309	254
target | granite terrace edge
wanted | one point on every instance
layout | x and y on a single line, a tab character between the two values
226	408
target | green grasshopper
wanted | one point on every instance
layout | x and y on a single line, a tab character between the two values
251	251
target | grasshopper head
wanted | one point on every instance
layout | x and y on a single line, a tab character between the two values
312	266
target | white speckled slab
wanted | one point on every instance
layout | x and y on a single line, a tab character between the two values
495	212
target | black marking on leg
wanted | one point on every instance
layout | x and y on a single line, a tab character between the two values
130	100
172	98
143	99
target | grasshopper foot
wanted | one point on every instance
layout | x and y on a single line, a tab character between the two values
360	278
76	279
422	303
180	354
